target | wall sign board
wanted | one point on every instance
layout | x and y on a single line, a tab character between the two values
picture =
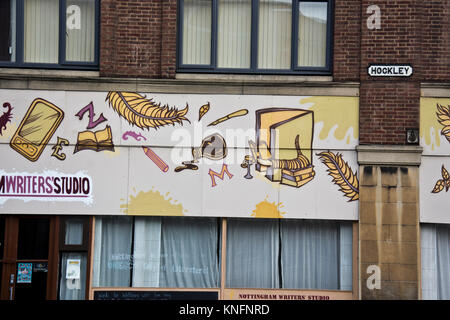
386	70
155	295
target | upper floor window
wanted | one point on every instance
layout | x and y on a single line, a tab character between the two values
255	36
49	33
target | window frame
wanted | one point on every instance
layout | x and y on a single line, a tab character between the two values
294	68
62	62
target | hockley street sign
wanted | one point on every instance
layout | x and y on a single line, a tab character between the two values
386	70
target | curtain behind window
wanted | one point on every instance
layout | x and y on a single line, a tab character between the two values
274	38
41	21
189	253
72	289
234	33
312	34
435	256
112	252
443	260
252	253
147	252
166	252
306	254
310	254
197	32
80	30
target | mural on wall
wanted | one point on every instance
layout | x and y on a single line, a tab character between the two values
58	147
45	186
156	159
277	131
143	112
240	156
443	115
239	113
442	183
100	140
152	202
136	136
5	117
91	114
434	176
342	174
37	127
220	175
203	110
213	147
266	209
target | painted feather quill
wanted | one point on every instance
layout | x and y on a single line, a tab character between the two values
342	174
143	112
443	115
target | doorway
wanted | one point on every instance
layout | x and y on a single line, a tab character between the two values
28	260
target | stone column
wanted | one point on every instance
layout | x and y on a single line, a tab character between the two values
389	222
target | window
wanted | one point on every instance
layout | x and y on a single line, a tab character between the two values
49	33
168	252
255	36
435	251
74	248
289	254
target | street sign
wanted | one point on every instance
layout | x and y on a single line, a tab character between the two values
386	70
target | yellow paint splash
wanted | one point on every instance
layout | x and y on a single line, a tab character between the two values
152	202
265	209
430	128
339	112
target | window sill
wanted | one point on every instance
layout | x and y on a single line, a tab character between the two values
253	78
48	73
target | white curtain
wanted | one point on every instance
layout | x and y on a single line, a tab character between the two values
189	253
312	34
252	253
112	251
41	31
310	254
161	252
147	252
274	38
346	256
74	232
80	30
301	254
435	256
443	260
72	289
429	262
234	33
197	32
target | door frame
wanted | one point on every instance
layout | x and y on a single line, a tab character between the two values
7	290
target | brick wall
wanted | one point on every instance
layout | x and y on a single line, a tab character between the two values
346	44
435	40
387	109
389	106
138	38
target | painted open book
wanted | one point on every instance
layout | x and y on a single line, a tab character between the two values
98	141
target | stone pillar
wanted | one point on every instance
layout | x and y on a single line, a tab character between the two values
389	222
